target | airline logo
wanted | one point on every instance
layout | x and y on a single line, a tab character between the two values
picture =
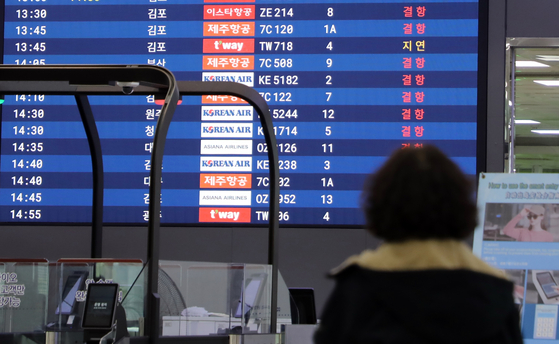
222	99
229	29
241	130
227	113
212	12
225	181
225	197
228	46
224	215
226	147
226	164
246	78
229	62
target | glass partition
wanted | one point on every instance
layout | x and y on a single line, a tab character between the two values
200	298
24	288
196	298
72	278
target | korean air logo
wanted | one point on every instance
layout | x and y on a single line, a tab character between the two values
242	78
227	113
232	164
242	130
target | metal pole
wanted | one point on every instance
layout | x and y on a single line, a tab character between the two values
167	111
512	112
97	169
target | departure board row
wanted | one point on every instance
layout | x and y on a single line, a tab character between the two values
347	82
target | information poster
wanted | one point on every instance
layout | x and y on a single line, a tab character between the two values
518	232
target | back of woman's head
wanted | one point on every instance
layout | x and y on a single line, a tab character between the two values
419	194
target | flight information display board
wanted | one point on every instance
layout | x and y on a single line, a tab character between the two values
348	82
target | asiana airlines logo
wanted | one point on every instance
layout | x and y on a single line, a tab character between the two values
225	197
226	147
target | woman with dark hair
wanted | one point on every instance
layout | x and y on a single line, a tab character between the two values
422	285
535	214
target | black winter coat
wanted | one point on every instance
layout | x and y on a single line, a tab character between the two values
415	307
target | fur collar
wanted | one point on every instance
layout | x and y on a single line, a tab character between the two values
421	255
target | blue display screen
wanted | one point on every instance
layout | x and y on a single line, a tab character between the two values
347	84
